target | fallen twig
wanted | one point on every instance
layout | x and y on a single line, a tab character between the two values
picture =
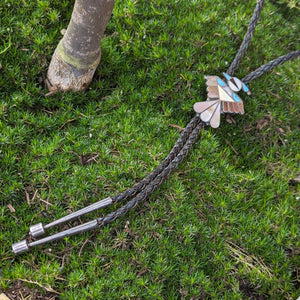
46	287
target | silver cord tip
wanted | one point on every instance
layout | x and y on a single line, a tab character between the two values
36	230
20	247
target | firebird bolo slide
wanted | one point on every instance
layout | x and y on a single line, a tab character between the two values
221	98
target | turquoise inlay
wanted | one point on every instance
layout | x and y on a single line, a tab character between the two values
236	97
228	77
245	88
221	82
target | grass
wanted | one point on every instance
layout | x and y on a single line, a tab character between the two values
225	225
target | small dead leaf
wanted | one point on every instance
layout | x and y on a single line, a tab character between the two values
176	126
27	197
11	208
280	130
230	119
262	123
142	272
53	90
275	95
248	128
63	31
3	297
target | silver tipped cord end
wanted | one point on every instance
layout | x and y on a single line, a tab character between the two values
36	230
20	247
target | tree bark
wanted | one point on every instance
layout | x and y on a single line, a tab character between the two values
78	53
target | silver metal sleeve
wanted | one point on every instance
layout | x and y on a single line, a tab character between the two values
36	230
20	247
105	202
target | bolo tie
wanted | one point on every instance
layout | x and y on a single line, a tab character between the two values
222	98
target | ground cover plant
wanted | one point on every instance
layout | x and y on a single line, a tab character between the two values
223	226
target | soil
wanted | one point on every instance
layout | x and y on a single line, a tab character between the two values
19	290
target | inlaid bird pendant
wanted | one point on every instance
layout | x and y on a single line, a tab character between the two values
221	98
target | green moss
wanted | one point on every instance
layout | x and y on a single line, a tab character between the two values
224	225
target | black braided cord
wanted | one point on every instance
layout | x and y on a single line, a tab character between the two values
153	185
174	152
247	38
270	65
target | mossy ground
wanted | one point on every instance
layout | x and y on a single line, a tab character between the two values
225	225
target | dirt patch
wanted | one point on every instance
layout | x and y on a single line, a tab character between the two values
19	290
249	291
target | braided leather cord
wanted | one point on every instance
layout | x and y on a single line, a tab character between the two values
153	185
270	65
174	152
247	38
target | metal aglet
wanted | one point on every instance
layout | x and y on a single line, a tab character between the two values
20	247
36	230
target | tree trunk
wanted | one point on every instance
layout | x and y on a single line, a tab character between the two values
78	53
